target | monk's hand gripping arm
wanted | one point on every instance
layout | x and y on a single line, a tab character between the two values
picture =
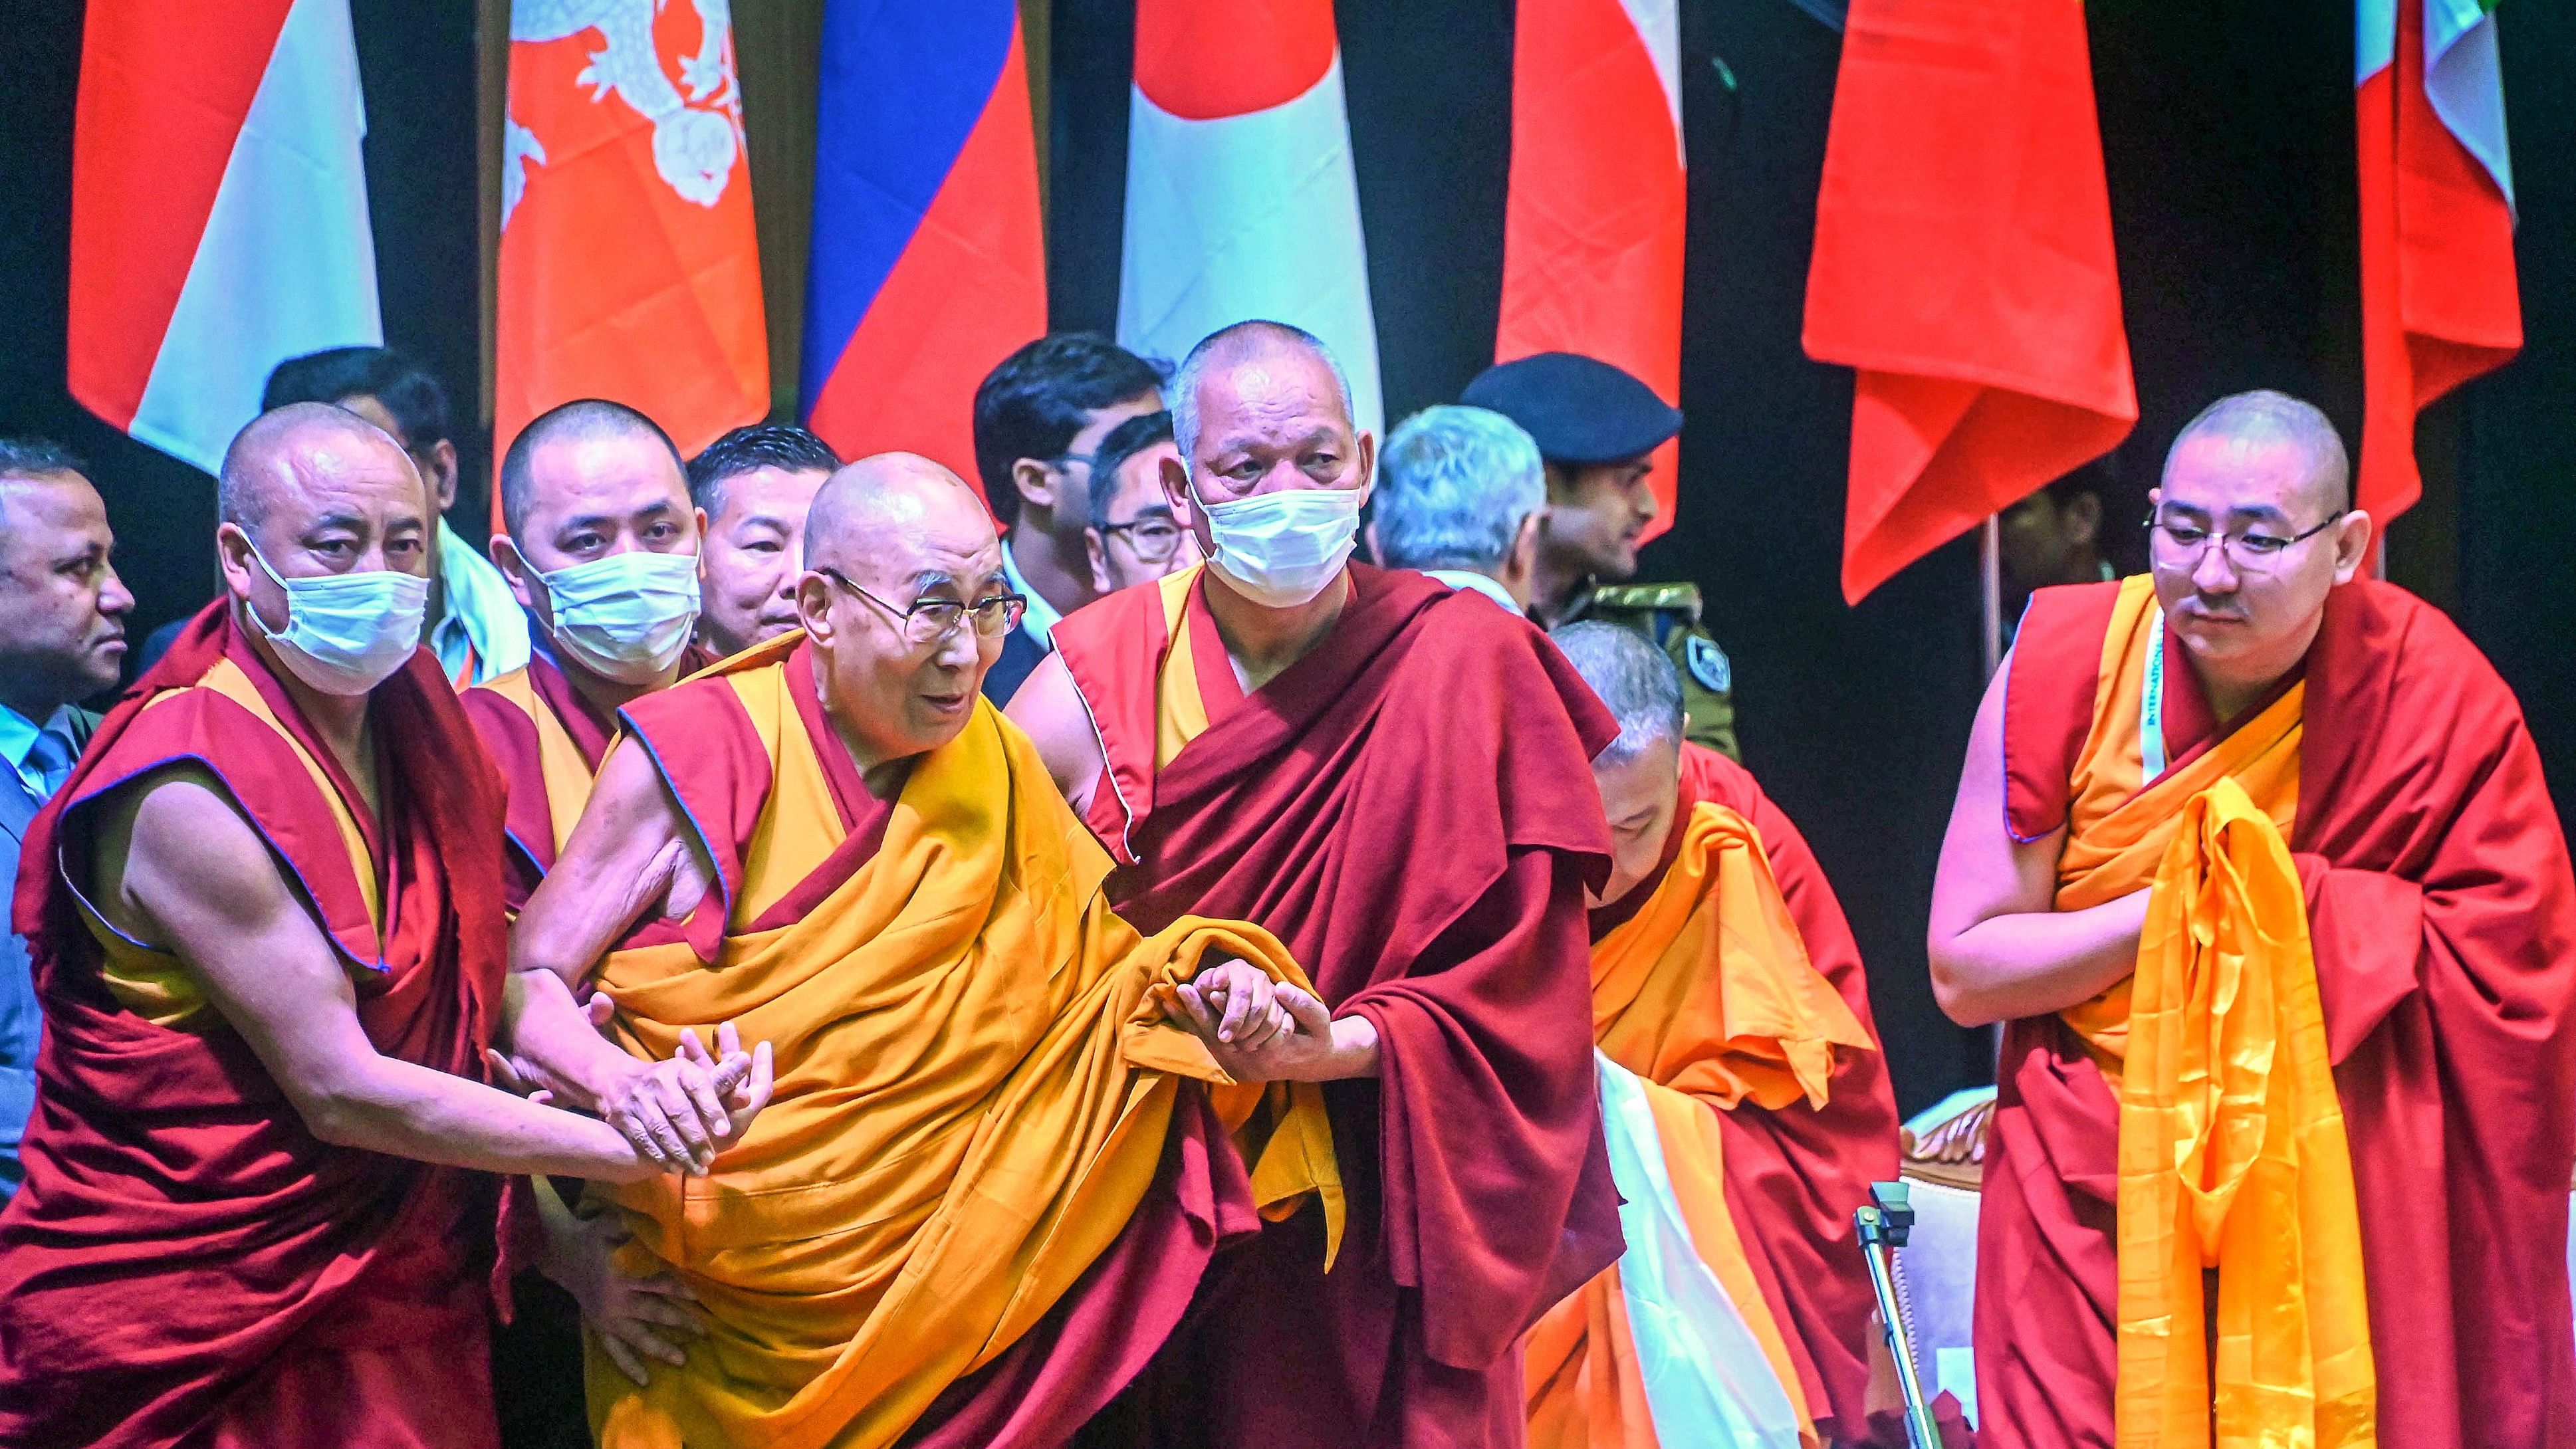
637	1319
185	870
2000	949
630	853
1314	1046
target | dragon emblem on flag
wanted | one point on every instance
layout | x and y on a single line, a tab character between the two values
696	138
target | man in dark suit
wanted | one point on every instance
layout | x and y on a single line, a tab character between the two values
62	639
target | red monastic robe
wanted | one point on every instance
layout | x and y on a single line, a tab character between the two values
186	1263
1795	1176
2444	924
1411	808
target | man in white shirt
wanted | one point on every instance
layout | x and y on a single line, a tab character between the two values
1459	496
62	639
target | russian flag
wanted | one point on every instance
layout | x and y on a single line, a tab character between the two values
2438	300
928	264
219	211
1592	233
1241	198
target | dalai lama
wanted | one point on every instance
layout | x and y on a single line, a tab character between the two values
2254	858
984	1190
1393	776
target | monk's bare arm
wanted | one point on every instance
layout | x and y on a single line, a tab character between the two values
196	879
629	854
1050	709
2000	949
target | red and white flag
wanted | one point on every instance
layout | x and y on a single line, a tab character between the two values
219	211
629	268
1241	198
2438	302
1592	234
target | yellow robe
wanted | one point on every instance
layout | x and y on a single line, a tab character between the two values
2232	1148
973	1084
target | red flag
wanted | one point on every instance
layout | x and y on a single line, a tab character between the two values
628	265
1963	266
1592	234
2438	304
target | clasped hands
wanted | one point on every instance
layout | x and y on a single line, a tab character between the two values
677	1113
1260	1030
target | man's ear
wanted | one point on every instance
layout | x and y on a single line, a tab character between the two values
2084	519
514	568
1097	549
1368	463
1036	481
1520	561
1368	535
1175	476
814	608
2352	538
442	475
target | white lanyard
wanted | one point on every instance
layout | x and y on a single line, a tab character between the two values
2151	704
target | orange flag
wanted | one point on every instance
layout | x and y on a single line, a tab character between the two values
1963	267
629	269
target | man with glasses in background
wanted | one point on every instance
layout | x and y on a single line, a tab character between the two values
2253	857
1134	536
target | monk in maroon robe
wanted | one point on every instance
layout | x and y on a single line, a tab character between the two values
1394	777
2437	899
265	919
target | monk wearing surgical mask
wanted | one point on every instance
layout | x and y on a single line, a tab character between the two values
264	916
602	547
1394	776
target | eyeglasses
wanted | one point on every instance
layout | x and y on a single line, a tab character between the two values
2180	545
1154	538
931	621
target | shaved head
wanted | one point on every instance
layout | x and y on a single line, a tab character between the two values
870	512
584	420
285	447
1247	344
2236	428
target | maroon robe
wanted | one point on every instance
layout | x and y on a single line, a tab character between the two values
187	1264
1411	808
2444	921
1096	1338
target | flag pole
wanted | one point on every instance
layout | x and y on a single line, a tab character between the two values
1990	581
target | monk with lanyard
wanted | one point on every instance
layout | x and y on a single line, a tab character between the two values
1747	1104
2254	858
986	1138
1393	775
265	918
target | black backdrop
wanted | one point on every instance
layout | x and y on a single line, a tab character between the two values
2228	135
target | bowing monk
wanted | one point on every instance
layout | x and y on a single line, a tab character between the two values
601	548
2254	858
981	1138
1734	1026
265	919
1394	776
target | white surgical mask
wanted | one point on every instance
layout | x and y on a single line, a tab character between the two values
626	617
347	633
1282	549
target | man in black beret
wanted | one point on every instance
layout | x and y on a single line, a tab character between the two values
1597	429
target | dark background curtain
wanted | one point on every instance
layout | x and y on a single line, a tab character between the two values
2227	130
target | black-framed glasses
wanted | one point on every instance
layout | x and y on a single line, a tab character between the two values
929	621
1154	538
2249	551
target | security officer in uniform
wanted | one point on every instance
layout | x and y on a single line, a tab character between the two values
1597	428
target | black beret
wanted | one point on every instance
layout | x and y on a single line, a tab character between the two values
1580	409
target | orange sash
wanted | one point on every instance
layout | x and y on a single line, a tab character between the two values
1707	995
2232	1147
974	1081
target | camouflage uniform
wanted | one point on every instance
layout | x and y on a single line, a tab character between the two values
1668	615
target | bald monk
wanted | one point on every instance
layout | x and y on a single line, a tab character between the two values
1732	1012
2255	803
265	919
601	548
1394	777
981	1135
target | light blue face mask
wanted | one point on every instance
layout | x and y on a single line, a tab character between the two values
346	633
626	617
1282	549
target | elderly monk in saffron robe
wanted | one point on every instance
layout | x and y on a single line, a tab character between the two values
1396	779
2255	859
265	917
601	548
981	1131
1734	1026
